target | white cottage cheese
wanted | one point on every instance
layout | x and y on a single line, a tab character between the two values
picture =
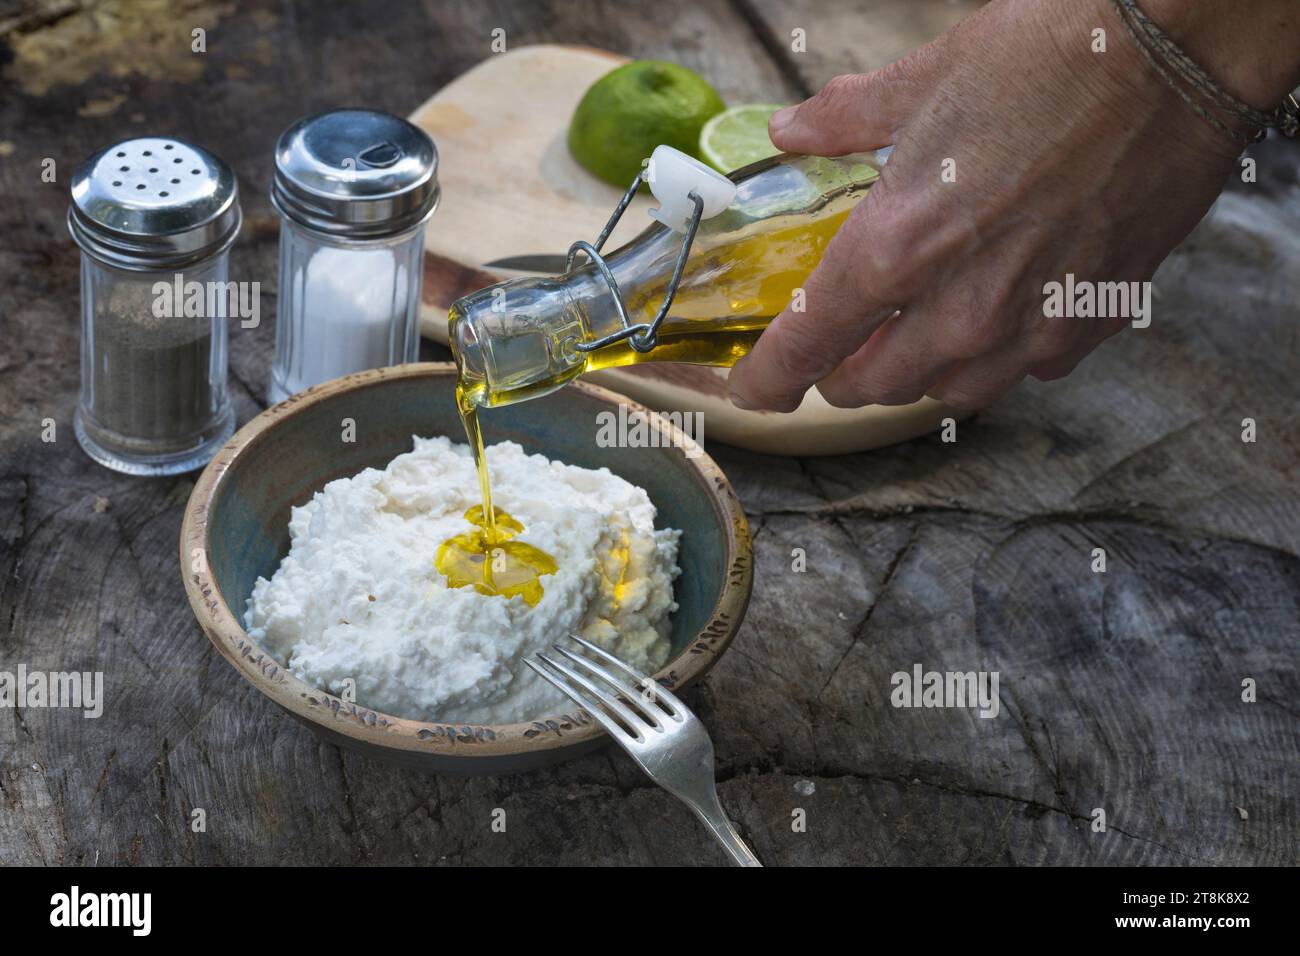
358	595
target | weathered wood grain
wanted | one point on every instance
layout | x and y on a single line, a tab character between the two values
1119	691
817	41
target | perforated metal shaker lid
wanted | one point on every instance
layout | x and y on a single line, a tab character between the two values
154	202
355	174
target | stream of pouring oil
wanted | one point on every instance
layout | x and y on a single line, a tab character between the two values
488	558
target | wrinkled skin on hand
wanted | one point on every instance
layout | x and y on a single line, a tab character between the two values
1066	161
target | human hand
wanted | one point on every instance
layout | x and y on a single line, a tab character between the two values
1065	161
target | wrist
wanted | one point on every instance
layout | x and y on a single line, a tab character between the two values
1252	50
1118	78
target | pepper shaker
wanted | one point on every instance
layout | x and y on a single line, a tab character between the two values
354	189
153	216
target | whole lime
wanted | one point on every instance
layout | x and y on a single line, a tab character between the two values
631	110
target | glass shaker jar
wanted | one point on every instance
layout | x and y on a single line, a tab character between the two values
154	218
354	189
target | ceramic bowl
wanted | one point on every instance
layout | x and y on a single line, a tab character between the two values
236	528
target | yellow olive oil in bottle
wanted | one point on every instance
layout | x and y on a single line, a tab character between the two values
519	339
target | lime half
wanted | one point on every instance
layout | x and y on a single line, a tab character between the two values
737	137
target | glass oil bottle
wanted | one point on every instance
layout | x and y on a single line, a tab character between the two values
527	337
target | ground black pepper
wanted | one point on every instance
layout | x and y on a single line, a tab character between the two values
151	376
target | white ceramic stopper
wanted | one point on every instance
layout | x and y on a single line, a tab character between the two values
673	176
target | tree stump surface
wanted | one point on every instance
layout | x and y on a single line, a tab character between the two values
1119	690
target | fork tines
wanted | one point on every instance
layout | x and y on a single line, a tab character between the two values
630	711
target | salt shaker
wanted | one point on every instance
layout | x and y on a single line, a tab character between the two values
354	189
155	218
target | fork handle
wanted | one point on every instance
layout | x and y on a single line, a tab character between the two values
711	814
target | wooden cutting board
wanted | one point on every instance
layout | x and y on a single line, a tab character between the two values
510	187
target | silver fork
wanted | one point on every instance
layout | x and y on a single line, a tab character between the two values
657	730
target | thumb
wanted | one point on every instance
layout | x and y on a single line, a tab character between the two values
853	112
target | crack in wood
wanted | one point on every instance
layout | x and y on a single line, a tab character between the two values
861	629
